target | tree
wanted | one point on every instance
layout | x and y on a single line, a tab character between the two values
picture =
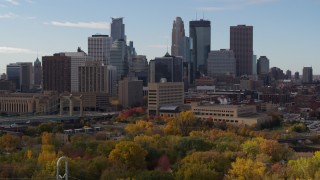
212	163
251	148
154	175
9	143
140	127
129	155
246	169
183	124
47	153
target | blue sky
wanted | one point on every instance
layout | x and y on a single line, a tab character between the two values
286	31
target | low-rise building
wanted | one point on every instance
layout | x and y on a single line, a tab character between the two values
233	114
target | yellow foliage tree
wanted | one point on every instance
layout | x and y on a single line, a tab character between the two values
129	155
47	153
183	124
246	169
140	127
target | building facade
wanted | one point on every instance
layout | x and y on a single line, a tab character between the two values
37	68
263	65
241	42
169	67
200	33
178	34
119	58
307	76
93	77
24	103
221	62
130	92
99	48
56	73
230	114
117	29
164	94
21	74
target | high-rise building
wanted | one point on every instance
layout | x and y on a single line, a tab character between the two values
130	92
307	76
164	94
221	62
241	42
117	29
138	67
21	74
178	34
56	73
3	76
200	33
263	65
276	74
119	58
254	65
169	67
99	47
112	80
37	68
296	75
93	77
77	59
288	74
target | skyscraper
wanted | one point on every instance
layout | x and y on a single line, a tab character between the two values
37	72
263	65
169	67
21	74
307	76
99	47
241	42
119	58
178	34
117	29
200	33
221	62
56	73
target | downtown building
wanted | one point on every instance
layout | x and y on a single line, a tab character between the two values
220	63
168	67
117	29
163	94
130	92
99	48
61	71
200	33
119	58
37	68
21	73
241	42
307	76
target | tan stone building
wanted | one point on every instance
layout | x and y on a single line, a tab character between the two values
130	92
21	103
164	94
233	114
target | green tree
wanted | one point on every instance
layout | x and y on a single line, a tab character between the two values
9	143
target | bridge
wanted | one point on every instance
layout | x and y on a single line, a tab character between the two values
56	118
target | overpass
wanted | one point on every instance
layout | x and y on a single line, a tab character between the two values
56	118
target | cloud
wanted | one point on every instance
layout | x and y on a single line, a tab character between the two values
8	16
12	50
158	46
13	2
217	8
93	25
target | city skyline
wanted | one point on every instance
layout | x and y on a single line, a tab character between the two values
283	30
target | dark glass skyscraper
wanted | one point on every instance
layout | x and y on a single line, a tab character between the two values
241	42
169	67
200	33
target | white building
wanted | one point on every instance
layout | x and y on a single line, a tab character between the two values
221	62
99	47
